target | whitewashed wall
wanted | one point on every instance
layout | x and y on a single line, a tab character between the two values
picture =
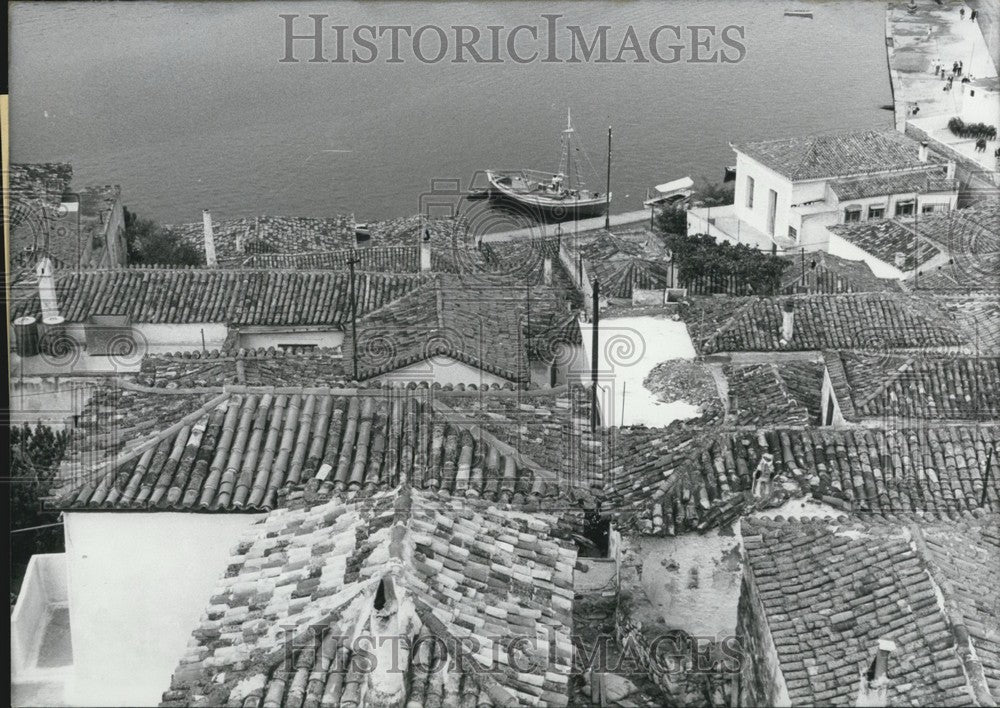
137	586
442	370
255	340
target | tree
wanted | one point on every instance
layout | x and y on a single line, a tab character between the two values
715	194
699	258
35	455
149	243
672	219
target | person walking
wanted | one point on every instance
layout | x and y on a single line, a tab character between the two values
961	66
973	15
961	12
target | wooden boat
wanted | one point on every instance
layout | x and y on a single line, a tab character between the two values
550	194
798	13
670	193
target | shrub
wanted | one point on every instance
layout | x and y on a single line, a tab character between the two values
971	130
34	458
149	243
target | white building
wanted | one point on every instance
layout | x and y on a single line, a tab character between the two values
789	190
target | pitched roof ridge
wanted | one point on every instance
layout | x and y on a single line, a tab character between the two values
889	379
476	430
106	469
807	154
964	645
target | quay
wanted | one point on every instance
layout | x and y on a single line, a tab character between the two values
927	33
570	227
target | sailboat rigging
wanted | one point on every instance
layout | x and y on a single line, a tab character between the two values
557	195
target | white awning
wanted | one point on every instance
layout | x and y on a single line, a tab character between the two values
670	191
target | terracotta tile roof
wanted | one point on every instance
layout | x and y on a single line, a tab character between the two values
785	394
41	226
479	601
923	181
884	238
116	416
250	449
269	234
256	367
438	320
40	180
822	272
872	322
839	155
878	581
900	388
247	297
976	315
523	261
668	480
299	238
626	261
393	259
552	427
971	237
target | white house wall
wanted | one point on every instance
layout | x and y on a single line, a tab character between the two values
765	179
442	370
137	585
163	338
328	339
845	249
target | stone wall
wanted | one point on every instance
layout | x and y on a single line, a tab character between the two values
690	671
761	682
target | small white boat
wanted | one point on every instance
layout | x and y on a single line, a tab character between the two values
670	193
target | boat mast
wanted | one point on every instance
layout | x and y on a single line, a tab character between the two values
568	144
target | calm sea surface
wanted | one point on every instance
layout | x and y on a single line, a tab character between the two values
187	106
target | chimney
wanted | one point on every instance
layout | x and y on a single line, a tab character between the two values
874	688
788	321
900	260
762	475
210	261
47	289
425	255
949	172
922	153
547	270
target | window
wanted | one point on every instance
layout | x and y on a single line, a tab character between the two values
793	233
852	214
750	186
876	212
904	208
772	210
931	208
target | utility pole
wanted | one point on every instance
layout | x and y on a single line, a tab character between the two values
354	317
607	188
916	239
593	355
